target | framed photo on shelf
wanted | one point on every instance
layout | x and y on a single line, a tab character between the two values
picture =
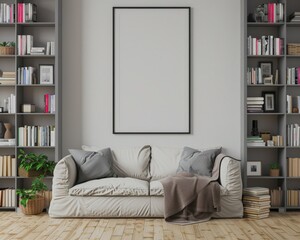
269	101
46	74
266	69
254	168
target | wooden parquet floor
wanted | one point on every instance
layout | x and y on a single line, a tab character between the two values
18	226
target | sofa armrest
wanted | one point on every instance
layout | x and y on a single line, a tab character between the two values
64	177
230	176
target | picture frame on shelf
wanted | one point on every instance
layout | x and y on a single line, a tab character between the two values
46	74
266	68
254	168
269	101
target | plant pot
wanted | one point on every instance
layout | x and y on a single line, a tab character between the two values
30	173
274	172
34	206
7	50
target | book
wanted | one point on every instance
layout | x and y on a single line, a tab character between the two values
1	165
256	216
255	191
261	198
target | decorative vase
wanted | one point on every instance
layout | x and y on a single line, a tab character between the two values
2	130
8	133
274	172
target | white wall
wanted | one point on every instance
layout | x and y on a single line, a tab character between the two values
216	75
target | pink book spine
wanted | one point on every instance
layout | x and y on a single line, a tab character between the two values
46	103
19	10
298	74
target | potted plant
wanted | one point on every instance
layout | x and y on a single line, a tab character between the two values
33	165
274	169
32	200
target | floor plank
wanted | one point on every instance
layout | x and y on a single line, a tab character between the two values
18	226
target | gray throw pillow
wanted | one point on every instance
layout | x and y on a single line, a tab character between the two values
197	162
92	165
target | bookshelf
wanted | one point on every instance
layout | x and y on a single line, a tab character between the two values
46	28
275	122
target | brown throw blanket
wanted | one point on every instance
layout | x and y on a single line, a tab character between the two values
191	198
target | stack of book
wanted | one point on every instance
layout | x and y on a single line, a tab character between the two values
266	45
293	102
293	198
255	141
295	17
8	78
25	43
49	100
293	167
31	136
255	104
27	75
256	201
37	51
270	12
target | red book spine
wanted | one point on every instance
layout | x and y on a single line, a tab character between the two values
46	97
19	10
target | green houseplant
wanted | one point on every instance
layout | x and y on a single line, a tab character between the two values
32	200
33	165
274	169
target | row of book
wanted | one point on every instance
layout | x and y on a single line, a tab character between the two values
7	13
31	136
7	78
27	75
50	48
276	197
25	47
255	104
293	103
293	75
8	166
256	202
255	76
10	104
293	167
295	17
271	12
49	100
7	197
266	45
27	12
293	198
293	135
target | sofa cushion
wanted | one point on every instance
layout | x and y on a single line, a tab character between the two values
164	161
198	162
129	161
111	187
92	165
156	188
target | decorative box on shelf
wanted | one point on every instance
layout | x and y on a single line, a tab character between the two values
293	48
27	108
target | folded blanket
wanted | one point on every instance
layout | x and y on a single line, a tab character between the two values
192	198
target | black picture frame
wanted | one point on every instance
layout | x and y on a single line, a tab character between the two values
114	131
269	101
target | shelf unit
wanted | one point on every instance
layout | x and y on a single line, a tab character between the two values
47	28
275	123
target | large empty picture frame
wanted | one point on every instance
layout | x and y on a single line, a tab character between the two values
151	70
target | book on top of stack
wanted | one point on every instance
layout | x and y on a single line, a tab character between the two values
255	104
256	201
255	141
295	17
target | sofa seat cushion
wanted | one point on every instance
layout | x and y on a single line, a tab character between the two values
157	189
111	187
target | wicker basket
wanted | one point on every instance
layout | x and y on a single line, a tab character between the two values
294	49
7	50
34	206
30	173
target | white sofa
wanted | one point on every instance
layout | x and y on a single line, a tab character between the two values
137	191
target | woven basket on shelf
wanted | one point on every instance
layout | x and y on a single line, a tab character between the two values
30	173
294	49
7	50
34	206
